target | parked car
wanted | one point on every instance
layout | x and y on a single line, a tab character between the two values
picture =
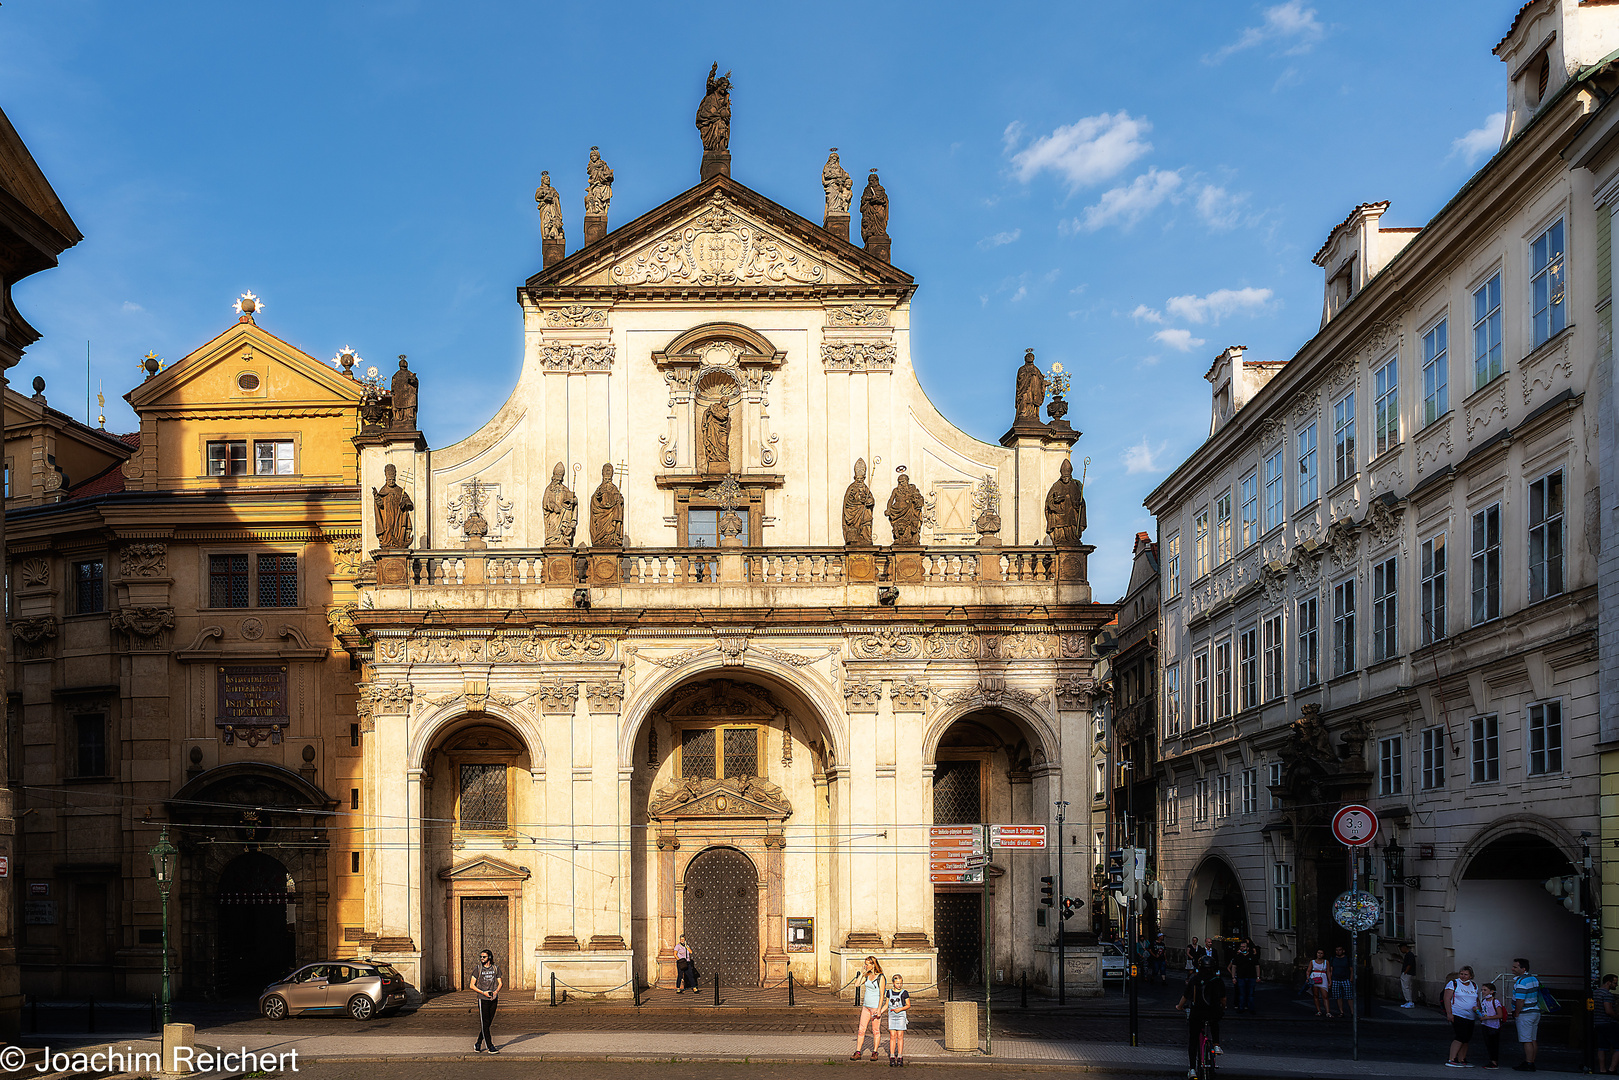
1115	961
361	988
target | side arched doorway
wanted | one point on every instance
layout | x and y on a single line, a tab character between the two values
721	906
1216	908
256	940
1502	889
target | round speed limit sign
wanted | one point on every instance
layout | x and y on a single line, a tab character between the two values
1354	825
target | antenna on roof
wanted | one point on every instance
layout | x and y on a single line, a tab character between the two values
86	382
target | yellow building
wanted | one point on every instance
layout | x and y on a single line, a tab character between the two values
169	592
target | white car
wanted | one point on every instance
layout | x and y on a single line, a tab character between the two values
1115	962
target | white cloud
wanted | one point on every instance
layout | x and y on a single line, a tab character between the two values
1143	313
1000	239
1179	339
1481	141
1148	361
1124	206
1218	304
1022	291
1088	151
1220	210
130	305
1079	289
1291	25
1142	457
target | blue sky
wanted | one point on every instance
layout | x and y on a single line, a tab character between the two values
1127	188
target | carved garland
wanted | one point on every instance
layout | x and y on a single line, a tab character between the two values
143	560
857	315
859	356
581	316
559	356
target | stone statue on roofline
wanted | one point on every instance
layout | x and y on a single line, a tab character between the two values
393	508
549	201
714	114
598	184
857	506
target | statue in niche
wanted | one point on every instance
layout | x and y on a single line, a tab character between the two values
393	505
404	398
598	184
1031	389
839	188
607	513
905	512
561	508
717	436
550	204
873	211
714	114
1065	508
857	507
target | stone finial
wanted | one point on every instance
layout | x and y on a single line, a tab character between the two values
247	305
39	389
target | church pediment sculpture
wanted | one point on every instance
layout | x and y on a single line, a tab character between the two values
484	869
732	797
719	247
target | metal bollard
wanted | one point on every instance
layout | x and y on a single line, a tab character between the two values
553	989
790	1000
635	981
155	1027
716	989
950	986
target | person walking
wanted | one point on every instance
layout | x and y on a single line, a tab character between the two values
1343	985
1320	979
897	1005
685	967
1606	1023
1408	975
1204	1001
1526	1013
1193	951
869	992
486	982
1244	972
1460	1000
1158	960
1490	1012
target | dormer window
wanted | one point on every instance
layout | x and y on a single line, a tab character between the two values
227	458
271	457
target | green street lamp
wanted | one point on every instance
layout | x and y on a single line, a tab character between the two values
165	856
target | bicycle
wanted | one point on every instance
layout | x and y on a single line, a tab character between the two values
1206	1057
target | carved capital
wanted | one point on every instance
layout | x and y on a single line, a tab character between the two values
605	697
910	694
862	695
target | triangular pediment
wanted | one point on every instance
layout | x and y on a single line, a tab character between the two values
210	377
728	797
719	234
484	868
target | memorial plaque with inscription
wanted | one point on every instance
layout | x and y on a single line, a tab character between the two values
252	703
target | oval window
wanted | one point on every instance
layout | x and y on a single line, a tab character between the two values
247	381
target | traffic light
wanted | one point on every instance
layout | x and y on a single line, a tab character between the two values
1127	872
1115	869
1568	890
1067	907
1045	891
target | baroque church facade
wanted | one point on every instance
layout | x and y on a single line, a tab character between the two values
712	621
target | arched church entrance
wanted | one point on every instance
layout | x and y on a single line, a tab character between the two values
1216	908
722	915
256	942
1504	886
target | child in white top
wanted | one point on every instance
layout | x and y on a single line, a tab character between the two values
898	1005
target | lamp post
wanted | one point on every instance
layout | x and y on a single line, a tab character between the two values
1062	966
164	858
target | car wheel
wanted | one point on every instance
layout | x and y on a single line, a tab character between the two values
275	1007
362	1007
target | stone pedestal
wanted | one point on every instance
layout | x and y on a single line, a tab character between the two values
393	567
1071	563
553	251
559	567
732	568
906	567
715	163
473	569
599	974
1084	963
604	567
878	247
838	226
179	1043
919	966
860	565
595	227
989	558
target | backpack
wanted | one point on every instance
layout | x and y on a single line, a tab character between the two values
1199	994
1549	1004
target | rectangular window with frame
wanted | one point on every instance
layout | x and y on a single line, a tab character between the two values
1273	491
278	580
1487	564
1433	589
1172	699
1248	668
1545	738
1274	780
1385	609
273	457
1546	537
1309	644
703	527
1433	758
354	862
1172	564
1394	911
89	587
1343	439
698	757
1222	680
1282	895
1436	372
227	457
1486	744
1391	765
90	735
1343	627
1200	802
1101	781
1200	689
227	581
1386	405
740	758
1250	791
1202	541
1487	331
1309	483
709	753
1222	526
1172	808
1250	510
1222	795
481	806
1547	291
1273	657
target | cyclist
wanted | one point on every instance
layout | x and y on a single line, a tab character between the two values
1204	1001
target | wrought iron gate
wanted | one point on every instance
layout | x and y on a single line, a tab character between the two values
958	925
484	926
722	916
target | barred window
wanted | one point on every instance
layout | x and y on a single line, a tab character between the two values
697	756
89	587
278	581
227	581
741	752
483	798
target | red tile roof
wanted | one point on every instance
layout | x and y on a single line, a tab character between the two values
110	479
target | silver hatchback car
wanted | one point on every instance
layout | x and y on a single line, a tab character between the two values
360	988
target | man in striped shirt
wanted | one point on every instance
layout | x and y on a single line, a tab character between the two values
1526	1012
